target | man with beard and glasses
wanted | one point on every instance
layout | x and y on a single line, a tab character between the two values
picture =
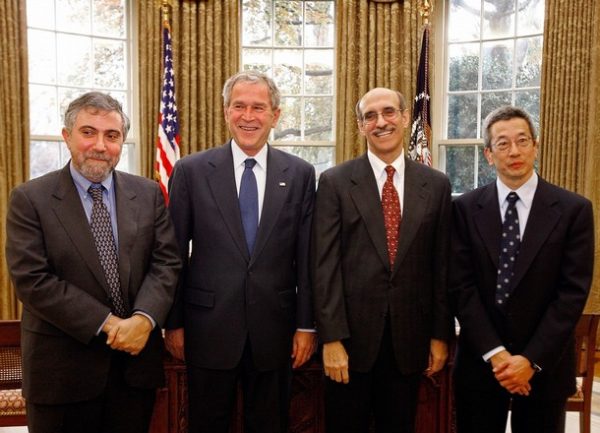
379	254
93	257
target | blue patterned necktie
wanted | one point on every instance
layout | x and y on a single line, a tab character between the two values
509	250
249	203
105	246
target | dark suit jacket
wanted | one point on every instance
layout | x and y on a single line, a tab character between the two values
353	286
552	278
53	262
225	296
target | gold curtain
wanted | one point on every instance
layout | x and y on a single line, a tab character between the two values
14	133
206	47
569	118
377	46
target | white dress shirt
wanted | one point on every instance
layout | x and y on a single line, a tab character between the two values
379	166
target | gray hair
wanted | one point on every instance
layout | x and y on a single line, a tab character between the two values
96	101
506	112
251	77
401	103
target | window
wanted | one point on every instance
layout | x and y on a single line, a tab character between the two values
74	46
293	42
493	51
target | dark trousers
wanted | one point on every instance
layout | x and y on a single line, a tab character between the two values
119	409
383	394
478	411
212	394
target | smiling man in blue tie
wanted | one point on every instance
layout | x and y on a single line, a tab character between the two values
242	213
521	268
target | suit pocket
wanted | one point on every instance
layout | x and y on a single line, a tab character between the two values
200	298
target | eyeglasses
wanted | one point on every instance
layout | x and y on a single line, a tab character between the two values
504	144
388	113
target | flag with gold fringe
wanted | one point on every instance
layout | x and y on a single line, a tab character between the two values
419	148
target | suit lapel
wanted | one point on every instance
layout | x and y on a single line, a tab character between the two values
488	222
69	211
365	196
222	185
276	190
127	217
542	220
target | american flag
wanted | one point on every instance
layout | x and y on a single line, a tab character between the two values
167	142
419	148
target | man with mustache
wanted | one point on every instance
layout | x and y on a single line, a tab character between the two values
379	261
93	257
521	269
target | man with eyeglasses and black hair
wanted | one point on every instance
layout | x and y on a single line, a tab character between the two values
521	267
380	243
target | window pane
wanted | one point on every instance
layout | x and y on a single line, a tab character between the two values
109	59
318	115
530	102
461	12
498	18
497	65
528	17
289	126
463	61
462	116
460	163
318	66
42	110
109	18
73	16
492	100
288	71
319	30
288	23
40	13
529	62
74	60
45	157
257	59
486	173
256	22
42	60
321	157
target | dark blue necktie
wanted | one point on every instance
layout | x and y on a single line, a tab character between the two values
249	203
509	250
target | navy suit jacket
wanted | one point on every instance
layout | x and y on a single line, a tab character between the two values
53	262
226	296
552	277
354	288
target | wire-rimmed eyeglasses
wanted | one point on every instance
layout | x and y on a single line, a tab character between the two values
388	113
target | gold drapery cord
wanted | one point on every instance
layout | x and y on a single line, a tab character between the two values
206	47
377	46
14	141
569	136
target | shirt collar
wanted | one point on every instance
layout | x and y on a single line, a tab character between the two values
84	183
239	156
379	166
525	191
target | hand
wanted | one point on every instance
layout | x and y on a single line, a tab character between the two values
438	354
130	335
304	345
335	362
174	340
514	374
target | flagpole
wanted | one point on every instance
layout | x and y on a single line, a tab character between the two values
166	10
425	9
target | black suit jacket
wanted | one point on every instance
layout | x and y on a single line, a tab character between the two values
225	295
552	278
53	262
355	289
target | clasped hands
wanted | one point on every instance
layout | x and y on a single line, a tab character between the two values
128	335
513	372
